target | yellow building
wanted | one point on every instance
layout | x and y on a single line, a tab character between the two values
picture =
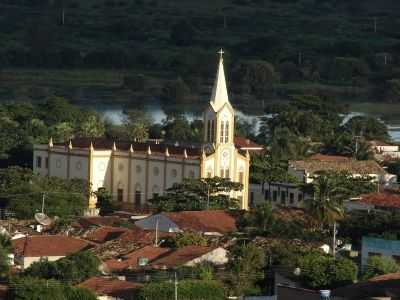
136	172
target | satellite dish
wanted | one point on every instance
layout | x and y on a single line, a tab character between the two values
43	219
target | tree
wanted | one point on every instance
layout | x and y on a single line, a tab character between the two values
327	194
28	288
367	127
197	194
24	191
4	263
380	265
137	124
72	269
246	265
104	201
92	126
319	271
187	289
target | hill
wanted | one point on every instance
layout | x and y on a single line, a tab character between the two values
126	49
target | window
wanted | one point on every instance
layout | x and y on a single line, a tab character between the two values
39	162
156	171
300	197
283	196
226	131
266	194
138	169
156	191
138	195
221	139
174	173
275	195
46	162
291	198
224	173
120	195
212	131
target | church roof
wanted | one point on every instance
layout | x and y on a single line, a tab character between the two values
142	147
219	95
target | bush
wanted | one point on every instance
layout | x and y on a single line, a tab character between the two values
380	265
73	269
187	239
187	289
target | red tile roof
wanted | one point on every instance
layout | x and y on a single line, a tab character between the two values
381	286
180	256
107	144
48	245
105	233
324	157
87	222
130	261
383	199
103	286
204	221
246	144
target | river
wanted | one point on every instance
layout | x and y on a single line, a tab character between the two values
388	113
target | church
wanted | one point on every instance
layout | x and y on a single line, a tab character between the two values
137	172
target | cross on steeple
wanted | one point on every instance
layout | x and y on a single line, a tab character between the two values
221	53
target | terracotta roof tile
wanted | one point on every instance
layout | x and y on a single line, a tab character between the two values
105	233
103	286
180	256
365	167
383	199
87	222
381	286
324	157
130	260
204	221
158	148
48	245
246	144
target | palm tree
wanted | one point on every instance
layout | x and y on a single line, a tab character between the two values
328	194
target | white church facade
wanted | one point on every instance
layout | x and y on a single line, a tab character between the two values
137	172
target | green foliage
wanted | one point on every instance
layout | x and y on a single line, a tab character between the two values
320	271
28	288
72	269
186	239
380	265
137	124
104	201
368	127
246	266
187	289
23	192
198	194
4	263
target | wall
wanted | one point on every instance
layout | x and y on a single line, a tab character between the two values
384	247
265	195
27	261
218	256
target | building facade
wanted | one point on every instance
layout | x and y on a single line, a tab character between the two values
137	172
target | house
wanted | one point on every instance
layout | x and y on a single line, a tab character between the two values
131	261
208	222
136	172
290	195
384	150
371	246
190	256
104	234
386	200
381	287
30	249
245	144
111	288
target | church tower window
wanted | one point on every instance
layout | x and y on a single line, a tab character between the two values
226	131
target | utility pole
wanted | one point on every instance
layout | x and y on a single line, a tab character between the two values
43	198
176	287
334	240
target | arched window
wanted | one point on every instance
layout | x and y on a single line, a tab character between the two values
222	130
226	131
120	192
156	191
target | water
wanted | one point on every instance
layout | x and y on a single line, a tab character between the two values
387	113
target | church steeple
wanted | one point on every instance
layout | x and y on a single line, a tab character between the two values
219	95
